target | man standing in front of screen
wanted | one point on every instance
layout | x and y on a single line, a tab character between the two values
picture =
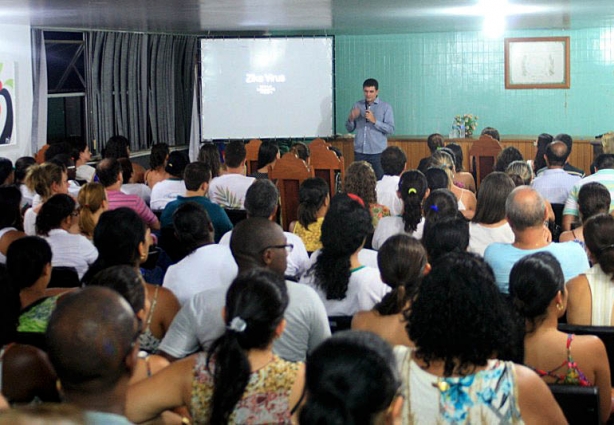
373	121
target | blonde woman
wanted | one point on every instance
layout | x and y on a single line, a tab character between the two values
46	180
93	202
466	199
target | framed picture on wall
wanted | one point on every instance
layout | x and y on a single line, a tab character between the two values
537	63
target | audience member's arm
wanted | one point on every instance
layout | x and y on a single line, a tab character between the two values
567	221
169	388
169	307
535	400
602	374
180	339
579	303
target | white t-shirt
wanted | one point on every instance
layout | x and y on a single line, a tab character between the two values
70	250
139	189
199	323
386	190
367	257
298	259
228	190
481	236
390	226
165	192
29	222
85	172
365	289
208	267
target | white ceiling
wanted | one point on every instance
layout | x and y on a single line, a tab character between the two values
299	16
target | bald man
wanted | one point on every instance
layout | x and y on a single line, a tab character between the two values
93	345
255	242
554	183
526	213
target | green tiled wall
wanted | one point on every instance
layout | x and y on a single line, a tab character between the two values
430	77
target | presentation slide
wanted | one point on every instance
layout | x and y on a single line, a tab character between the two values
267	88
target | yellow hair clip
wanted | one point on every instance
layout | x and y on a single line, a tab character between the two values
412	190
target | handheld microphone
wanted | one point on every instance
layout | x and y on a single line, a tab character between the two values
366	104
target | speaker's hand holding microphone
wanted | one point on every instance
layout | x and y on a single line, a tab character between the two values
368	114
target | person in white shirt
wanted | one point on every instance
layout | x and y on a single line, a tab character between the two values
228	190
81	155
139	189
261	200
343	283
168	190
57	222
394	162
194	231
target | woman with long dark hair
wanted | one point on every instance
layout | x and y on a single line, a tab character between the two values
239	379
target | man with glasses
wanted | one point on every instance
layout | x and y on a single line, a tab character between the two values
93	345
255	242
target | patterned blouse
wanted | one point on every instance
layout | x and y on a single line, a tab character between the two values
34	318
311	235
265	400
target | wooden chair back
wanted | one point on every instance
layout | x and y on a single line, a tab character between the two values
318	143
483	156
289	172
325	164
251	157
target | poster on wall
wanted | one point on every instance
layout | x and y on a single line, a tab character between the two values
537	63
7	103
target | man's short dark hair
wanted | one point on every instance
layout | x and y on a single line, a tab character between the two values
371	82
393	160
492	132
234	153
557	153
107	171
604	161
261	198
195	174
565	138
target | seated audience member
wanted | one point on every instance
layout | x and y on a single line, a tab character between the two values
458	349
604	164
506	157
122	238
130	285
301	150
57	217
394	162
239	379
157	164
522	175
314	199
7	172
26	372
539	163
342	282
492	132
46	180
440	203
463	178
537	289
593	199
255	243
197	176
412	191
554	184
92	203
352	378
261	200
361	181
436	178
139	189
591	294
434	142
466	199
210	155
21	169
67	164
81	155
489	223
268	154
450	234
570	169
28	262
167	190
402	263
526	213
228	190
109	172
194	231
119	147
11	227
94	354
